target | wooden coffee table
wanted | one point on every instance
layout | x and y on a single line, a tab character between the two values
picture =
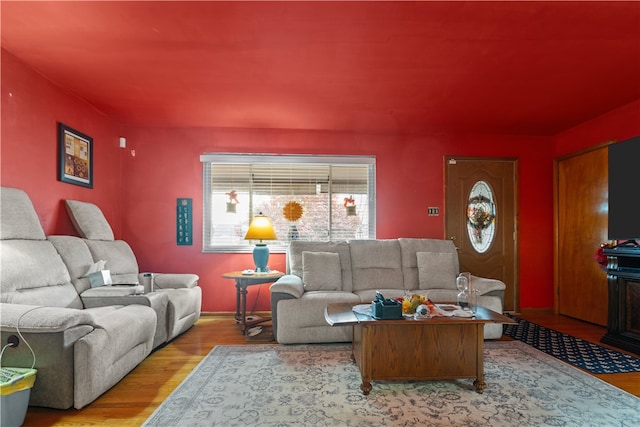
436	348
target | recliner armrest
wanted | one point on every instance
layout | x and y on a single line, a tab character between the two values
42	319
484	285
288	284
112	291
174	281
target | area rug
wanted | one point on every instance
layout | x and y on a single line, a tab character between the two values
583	354
318	385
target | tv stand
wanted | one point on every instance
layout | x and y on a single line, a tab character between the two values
623	282
628	244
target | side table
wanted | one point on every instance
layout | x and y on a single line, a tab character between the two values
243	281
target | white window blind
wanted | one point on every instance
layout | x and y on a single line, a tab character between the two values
239	186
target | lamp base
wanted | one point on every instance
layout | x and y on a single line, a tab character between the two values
261	257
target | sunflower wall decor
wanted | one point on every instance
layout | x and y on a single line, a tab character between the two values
292	211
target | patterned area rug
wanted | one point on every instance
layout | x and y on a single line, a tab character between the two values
583	354
318	385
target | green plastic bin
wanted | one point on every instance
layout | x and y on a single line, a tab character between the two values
15	389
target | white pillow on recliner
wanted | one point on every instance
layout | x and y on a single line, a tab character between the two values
89	221
436	270
321	271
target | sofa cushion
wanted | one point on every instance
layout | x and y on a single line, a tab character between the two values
294	258
368	295
436	270
42	319
76	256
89	221
33	273
175	281
411	246
321	271
119	256
376	264
19	218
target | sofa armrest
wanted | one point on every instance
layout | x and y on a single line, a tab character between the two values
123	295
112	291
42	319
484	285
174	281
286	287
288	284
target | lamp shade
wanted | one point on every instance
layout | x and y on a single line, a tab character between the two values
260	228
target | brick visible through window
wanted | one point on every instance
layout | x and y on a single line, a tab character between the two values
335	193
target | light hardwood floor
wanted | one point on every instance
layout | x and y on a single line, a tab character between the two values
133	399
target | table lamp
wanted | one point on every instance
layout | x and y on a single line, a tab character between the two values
260	229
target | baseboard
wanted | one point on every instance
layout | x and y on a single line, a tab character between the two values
233	313
535	311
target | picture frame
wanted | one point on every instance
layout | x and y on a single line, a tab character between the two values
75	157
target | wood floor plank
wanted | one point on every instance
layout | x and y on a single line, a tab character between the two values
132	400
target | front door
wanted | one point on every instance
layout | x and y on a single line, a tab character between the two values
481	210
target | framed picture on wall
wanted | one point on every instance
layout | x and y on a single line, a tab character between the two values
75	157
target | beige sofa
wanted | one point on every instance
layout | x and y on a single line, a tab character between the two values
319	273
176	299
84	339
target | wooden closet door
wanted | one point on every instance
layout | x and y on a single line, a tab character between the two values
582	212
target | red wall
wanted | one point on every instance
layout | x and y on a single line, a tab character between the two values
410	177
620	124
138	192
31	108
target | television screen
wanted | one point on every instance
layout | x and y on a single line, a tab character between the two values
624	190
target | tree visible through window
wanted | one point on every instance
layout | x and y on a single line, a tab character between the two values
320	198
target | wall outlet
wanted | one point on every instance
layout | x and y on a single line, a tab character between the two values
433	211
13	341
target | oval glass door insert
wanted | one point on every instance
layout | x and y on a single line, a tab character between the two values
481	216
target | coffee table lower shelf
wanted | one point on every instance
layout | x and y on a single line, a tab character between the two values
406	350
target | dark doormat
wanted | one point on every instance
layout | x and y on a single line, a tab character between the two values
583	354
261	333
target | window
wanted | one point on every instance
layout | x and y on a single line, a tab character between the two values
335	196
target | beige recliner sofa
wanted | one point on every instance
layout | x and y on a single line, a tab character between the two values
319	273
84	339
176	298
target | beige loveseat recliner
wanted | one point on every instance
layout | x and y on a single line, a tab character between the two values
176	298
319	273
84	339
